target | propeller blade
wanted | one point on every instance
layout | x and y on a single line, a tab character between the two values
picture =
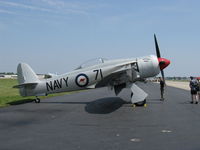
157	47
163	63
163	75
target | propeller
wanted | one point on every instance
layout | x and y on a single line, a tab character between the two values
163	63
157	47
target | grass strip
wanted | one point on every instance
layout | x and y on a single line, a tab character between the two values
11	96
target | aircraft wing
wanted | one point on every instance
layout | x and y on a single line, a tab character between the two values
118	78
123	73
113	79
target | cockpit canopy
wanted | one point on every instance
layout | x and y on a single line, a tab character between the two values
91	62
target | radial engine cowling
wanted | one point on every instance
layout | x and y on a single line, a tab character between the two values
148	66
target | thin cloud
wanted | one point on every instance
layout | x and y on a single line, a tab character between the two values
19	5
59	4
67	7
7	12
74	6
54	7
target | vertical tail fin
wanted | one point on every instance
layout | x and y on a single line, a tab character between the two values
27	79
26	74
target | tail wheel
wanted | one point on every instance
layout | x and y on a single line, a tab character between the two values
37	100
142	103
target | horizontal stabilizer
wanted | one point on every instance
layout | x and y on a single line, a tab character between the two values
25	85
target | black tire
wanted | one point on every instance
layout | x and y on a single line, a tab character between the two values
37	100
142	103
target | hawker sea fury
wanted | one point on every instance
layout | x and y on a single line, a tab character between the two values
114	74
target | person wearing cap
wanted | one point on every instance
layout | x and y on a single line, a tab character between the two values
194	87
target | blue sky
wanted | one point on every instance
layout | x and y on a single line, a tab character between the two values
58	35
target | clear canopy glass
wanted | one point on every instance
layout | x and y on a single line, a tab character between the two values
92	62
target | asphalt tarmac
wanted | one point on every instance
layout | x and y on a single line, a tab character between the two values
97	120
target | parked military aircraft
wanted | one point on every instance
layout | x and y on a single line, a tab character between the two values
115	74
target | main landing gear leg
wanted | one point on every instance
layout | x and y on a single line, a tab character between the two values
37	100
139	104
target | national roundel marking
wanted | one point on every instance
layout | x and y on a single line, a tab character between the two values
82	80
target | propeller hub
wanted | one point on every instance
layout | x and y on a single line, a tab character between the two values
163	63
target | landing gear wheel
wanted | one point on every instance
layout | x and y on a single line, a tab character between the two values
142	103
37	100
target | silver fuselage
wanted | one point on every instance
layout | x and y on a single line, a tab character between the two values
89	77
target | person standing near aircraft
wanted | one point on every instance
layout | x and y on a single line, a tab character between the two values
198	89
194	87
162	88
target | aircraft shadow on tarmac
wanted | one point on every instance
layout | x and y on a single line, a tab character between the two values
23	101
104	105
99	106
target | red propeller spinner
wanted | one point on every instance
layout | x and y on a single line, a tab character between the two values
163	63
